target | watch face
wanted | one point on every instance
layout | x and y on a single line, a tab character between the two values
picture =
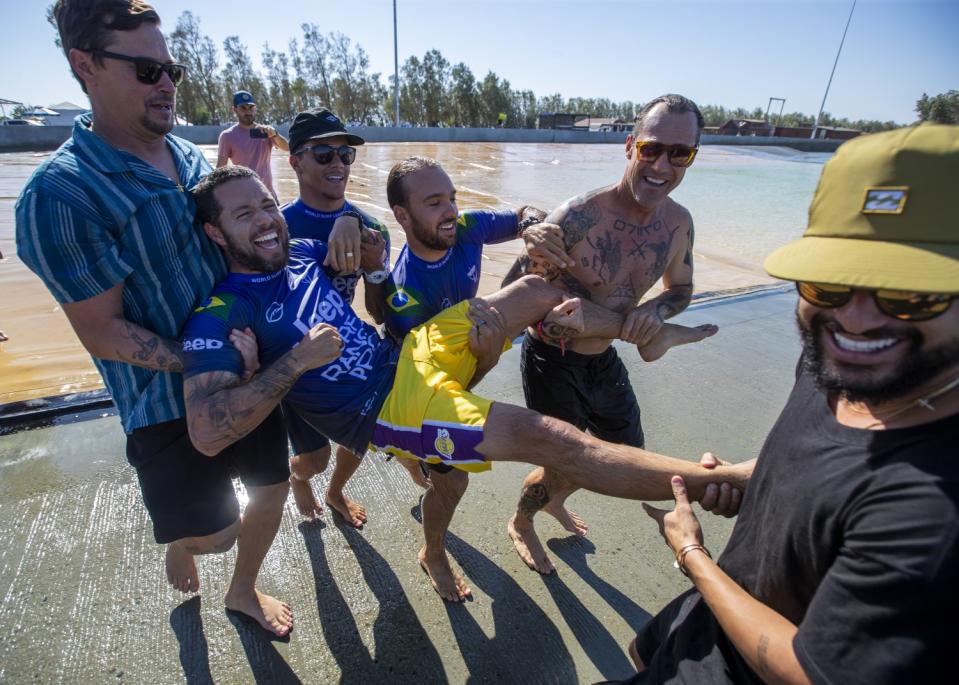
376	277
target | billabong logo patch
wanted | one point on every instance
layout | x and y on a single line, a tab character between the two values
890	200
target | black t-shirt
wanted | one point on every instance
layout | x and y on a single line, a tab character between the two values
852	535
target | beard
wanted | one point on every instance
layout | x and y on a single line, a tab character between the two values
250	259
918	367
432	239
160	128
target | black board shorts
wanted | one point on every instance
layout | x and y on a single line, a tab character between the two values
304	438
189	494
590	391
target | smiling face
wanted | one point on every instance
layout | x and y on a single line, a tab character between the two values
865	355
322	186
118	97
650	182
250	228
429	214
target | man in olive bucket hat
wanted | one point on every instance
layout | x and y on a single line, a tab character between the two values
842	567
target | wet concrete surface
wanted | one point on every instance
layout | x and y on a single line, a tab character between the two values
85	600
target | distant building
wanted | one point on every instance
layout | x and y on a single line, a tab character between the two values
64	114
609	124
563	121
746	127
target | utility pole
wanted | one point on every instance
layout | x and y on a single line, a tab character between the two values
838	52
782	103
396	72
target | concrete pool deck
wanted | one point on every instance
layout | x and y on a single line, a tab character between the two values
85	597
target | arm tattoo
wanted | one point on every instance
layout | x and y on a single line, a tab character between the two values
152	351
762	654
673	301
688	258
221	410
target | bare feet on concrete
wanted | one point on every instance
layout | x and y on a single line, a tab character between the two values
352	512
673	335
448	584
306	501
527	544
181	569
569	520
269	612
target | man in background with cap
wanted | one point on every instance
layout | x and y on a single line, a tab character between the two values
842	565
322	152
247	143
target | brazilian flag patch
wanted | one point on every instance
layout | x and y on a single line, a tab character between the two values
217	305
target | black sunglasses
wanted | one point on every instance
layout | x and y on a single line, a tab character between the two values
898	304
148	71
677	155
323	154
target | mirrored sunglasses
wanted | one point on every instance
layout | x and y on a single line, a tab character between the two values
898	304
677	155
148	71
323	154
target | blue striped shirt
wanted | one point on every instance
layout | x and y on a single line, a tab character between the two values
93	216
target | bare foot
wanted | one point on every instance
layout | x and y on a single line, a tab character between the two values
181	569
674	335
353	512
569	520
415	471
269	612
306	502
448	584
528	546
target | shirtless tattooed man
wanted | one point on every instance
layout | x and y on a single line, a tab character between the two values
619	241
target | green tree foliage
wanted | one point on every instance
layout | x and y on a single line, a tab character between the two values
942	108
330	70
200	98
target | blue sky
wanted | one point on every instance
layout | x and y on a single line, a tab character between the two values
723	53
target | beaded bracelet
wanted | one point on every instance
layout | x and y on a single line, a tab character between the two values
681	557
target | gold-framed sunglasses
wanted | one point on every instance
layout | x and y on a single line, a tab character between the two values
899	304
677	155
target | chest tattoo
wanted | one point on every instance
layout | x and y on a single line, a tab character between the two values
577	223
607	257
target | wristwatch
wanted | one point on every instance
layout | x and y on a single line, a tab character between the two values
376	277
527	222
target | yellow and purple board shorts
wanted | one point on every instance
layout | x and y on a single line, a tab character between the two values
429	415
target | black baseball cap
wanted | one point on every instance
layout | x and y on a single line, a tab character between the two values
316	124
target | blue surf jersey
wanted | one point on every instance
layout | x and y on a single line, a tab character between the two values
341	399
305	222
418	290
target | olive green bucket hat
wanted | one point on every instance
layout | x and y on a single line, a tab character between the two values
885	215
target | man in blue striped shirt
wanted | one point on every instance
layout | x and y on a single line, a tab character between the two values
108	224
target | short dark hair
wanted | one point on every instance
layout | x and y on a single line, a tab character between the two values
395	188
208	208
675	104
86	24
